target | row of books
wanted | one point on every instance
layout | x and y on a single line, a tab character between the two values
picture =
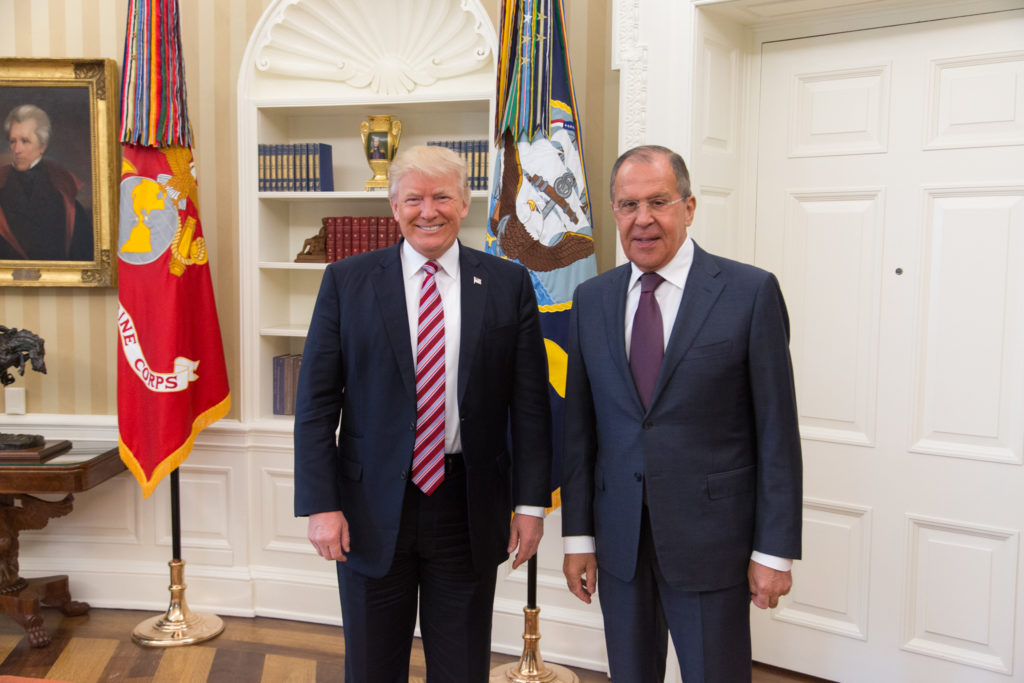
349	235
476	153
286	382
301	167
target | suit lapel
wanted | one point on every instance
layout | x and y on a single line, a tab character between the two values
474	297
389	287
615	327
701	292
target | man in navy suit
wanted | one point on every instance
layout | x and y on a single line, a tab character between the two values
682	465
401	530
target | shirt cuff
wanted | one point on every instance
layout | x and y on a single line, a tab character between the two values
531	510
777	563
578	544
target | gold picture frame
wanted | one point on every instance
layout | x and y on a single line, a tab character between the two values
71	193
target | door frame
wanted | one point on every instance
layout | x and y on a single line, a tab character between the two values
709	111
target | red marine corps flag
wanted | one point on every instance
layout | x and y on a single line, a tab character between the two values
171	378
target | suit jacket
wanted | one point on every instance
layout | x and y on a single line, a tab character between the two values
718	447
49	223
358	363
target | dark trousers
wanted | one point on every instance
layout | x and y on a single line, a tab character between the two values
710	629
432	563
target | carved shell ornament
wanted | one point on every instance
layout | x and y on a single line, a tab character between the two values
390	47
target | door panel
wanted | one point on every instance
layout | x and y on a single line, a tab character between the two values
890	201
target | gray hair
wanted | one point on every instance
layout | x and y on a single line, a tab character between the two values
31	112
648	154
433	161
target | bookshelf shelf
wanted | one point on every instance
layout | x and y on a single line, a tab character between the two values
284	331
282	102
287	265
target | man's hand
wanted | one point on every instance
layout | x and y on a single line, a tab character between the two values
328	532
580	571
526	533
767	585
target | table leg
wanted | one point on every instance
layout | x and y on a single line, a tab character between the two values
21	598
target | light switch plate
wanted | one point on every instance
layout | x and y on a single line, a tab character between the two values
14	400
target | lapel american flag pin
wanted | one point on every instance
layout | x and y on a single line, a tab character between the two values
477	281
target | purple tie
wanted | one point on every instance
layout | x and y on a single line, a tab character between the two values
647	340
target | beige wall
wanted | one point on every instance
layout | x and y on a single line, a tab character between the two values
78	324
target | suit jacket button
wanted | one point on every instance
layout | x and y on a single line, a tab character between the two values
405	475
648	424
638	476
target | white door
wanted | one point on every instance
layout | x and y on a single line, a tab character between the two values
890	202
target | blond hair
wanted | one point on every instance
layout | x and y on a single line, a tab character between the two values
430	160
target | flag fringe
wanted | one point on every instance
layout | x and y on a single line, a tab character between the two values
173	460
556	500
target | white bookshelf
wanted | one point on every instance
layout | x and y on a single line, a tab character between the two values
313	71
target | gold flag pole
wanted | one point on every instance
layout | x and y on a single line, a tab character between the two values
178	625
531	667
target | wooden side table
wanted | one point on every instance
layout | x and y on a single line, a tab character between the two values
78	469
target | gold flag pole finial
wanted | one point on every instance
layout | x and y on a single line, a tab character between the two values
531	667
179	625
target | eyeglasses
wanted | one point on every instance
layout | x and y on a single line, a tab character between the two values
629	207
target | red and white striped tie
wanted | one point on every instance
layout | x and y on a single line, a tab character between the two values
428	453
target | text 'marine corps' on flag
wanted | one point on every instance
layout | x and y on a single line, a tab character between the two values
171	376
539	208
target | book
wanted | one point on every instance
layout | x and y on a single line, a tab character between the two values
301	172
347	237
371	233
261	167
394	234
292	363
361	241
278	387
323	165
330	238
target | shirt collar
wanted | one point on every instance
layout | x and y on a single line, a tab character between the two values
674	272
35	163
412	260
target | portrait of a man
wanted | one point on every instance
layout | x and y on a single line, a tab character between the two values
378	145
42	214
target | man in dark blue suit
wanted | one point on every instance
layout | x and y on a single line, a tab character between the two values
431	355
682	465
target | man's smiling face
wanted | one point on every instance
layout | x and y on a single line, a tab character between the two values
429	210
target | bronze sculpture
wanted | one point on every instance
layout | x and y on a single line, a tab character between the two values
18	347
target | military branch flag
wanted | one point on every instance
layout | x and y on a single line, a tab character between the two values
540	207
171	377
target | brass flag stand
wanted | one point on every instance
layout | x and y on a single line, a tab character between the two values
178	625
531	667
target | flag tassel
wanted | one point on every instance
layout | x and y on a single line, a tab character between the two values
178	625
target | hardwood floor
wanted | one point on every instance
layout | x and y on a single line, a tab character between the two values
98	647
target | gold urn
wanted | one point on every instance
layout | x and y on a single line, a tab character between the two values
380	135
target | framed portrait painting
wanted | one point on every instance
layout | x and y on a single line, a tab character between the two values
59	172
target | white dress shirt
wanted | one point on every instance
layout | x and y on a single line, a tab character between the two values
669	295
450	291
447	281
